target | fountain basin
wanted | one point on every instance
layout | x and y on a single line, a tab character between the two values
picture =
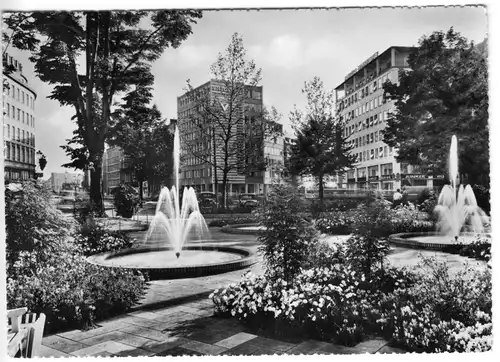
433	240
243	229
162	262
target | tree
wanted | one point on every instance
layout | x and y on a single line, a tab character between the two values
443	93
144	137
319	148
115	48
221	132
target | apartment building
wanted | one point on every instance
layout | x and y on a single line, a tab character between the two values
361	103
114	169
65	180
19	123
242	179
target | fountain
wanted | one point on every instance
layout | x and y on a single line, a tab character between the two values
460	219
175	244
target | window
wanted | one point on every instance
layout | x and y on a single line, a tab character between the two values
18	153
380	100
17	93
371	138
8	131
372	155
381	153
13	152
13	111
22	97
18	134
13	91
23	140
376	136
22	118
18	114
8	110
385	151
7	156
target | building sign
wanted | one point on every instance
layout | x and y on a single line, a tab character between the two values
414	176
361	66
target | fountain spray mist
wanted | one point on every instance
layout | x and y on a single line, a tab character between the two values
458	209
176	223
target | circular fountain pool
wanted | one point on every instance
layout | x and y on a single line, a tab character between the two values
434	240
162	262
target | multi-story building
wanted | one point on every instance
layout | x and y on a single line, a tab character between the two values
115	169
19	122
242	179
362	105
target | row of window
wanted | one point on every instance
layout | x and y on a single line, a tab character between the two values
366	139
365	92
19	95
197	173
365	108
374	153
21	135
23	117
369	122
19	153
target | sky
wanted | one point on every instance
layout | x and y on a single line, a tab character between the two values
291	47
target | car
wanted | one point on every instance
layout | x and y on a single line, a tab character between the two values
207	199
248	200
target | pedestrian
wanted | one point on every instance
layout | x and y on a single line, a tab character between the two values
404	197
396	198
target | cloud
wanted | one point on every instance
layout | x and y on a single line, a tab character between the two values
290	51
189	56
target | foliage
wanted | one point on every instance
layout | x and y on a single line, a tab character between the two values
335	223
144	137
482	194
125	200
287	237
42	159
479	249
442	312
443	93
32	223
99	240
70	291
429	311
222	120
118	48
319	148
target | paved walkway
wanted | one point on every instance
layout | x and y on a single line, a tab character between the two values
175	318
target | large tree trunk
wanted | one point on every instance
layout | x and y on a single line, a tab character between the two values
224	188
96	190
320	189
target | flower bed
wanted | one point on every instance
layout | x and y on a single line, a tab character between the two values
232	221
415	311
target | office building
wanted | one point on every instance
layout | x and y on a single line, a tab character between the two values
115	169
362	106
244	178
19	122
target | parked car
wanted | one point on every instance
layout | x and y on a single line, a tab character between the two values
248	200
207	199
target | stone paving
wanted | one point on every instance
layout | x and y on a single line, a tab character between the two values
175	318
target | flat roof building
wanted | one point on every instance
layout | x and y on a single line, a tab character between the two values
362	106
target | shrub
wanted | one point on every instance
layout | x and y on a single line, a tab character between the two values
99	240
70	291
479	249
126	199
334	223
32	223
287	237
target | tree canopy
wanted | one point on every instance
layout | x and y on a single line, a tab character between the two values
319	148
443	92
90	58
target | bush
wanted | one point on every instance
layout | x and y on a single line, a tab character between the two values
335	223
425	311
126	199
99	240
70	291
32	223
47	272
287	237
479	249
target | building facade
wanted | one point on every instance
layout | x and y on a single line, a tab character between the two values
362	106
65	181
19	123
114	169
200	174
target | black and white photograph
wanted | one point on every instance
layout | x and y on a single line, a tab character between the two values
215	180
